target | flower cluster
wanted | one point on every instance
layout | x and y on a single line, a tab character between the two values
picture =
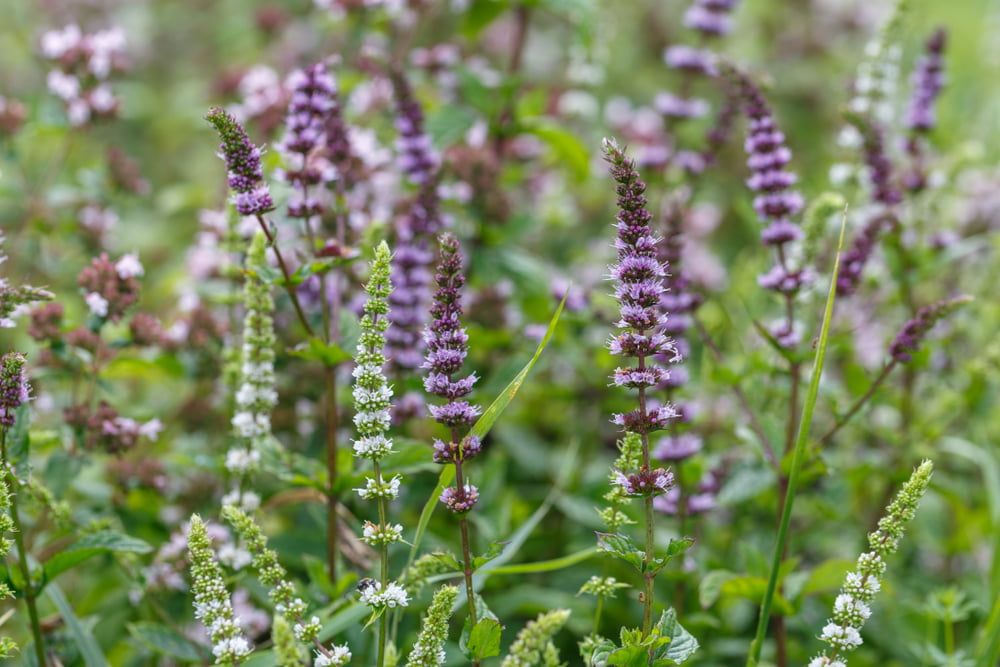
14	388
256	396
928	80
373	595
282	592
422	221
447	346
701	499
428	650
851	608
212	604
110	288
776	201
909	338
533	645
312	91
602	587
243	160
638	277
710	17
83	64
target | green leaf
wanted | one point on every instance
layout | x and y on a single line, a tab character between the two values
675	548
484	640
89	649
565	148
805	423
19	442
105	541
161	639
328	354
495	549
827	576
682	643
449	123
621	547
710	587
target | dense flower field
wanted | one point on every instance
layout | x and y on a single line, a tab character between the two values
500	332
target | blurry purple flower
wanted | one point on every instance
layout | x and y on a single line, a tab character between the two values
246	175
928	80
14	389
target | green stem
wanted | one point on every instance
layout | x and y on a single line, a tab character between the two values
383	624
463	526
22	555
753	658
858	404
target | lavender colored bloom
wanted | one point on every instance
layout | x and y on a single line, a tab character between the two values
672	106
447	343
416	155
677	447
14	389
690	59
246	176
646	482
928	80
854	260
710	17
884	190
767	156
462	501
912	334
311	100
638	278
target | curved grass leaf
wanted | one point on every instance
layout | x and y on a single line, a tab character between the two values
753	657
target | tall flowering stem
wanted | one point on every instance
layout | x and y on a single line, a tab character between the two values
287	603
15	392
256	396
411	267
212	603
373	400
252	198
447	346
638	278
928	81
852	606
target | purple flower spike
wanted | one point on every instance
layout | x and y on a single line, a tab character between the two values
312	99
678	448
417	158
246	176
928	80
14	389
447	343
912	334
638	277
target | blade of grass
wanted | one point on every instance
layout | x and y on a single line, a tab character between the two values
546	565
753	659
90	650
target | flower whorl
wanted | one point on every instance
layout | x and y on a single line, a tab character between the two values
14	389
851	607
638	277
243	160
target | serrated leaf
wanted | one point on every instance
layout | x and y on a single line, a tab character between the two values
621	547
682	643
484	639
